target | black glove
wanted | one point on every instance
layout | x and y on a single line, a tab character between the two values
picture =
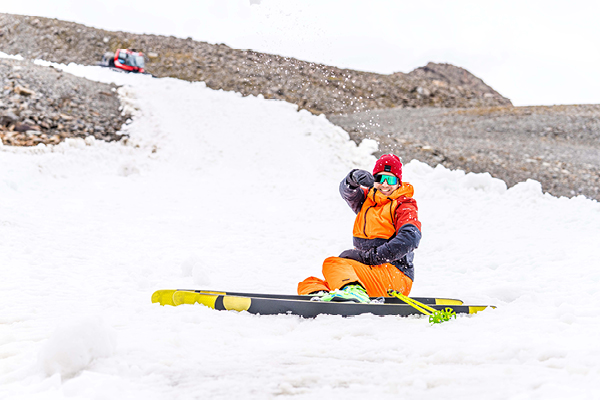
366	257
359	177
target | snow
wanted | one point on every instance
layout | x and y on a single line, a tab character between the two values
219	191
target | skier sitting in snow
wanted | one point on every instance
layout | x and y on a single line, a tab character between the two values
386	231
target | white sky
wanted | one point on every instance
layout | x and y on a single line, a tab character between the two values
533	52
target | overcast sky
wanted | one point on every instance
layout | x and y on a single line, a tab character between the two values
533	52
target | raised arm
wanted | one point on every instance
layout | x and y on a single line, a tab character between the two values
350	188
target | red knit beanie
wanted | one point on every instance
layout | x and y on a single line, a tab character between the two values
389	163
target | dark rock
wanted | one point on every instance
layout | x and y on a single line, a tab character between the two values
21	127
8	118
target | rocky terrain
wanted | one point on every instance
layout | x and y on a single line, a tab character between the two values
439	113
44	105
558	146
314	87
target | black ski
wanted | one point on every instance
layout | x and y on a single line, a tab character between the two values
386	300
304	308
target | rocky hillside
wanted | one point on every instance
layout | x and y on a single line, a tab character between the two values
439	113
558	146
44	105
314	87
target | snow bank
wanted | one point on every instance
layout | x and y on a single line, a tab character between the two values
241	194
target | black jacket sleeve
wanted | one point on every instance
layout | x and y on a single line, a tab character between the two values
406	240
354	195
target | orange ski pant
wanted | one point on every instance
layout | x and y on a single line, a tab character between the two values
376	279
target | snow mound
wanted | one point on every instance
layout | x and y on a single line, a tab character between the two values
528	189
75	345
453	180
484	182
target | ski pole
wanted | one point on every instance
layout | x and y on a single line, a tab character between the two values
435	316
424	308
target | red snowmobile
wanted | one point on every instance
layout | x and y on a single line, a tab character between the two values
124	60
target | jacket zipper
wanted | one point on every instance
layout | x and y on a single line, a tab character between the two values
365	225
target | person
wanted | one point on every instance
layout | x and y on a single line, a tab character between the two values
386	232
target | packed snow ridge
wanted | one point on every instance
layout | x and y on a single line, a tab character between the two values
219	191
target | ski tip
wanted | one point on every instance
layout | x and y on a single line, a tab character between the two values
184	297
164	297
191	297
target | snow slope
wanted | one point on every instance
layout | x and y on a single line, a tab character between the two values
223	192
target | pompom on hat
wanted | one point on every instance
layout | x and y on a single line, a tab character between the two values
389	163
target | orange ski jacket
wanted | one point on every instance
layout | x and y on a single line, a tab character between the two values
386	228
382	216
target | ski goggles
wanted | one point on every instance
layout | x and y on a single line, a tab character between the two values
390	179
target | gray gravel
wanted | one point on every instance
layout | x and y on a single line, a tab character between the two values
558	146
44	105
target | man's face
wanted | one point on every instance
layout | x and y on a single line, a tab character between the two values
382	184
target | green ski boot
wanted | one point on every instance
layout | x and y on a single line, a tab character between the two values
355	293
